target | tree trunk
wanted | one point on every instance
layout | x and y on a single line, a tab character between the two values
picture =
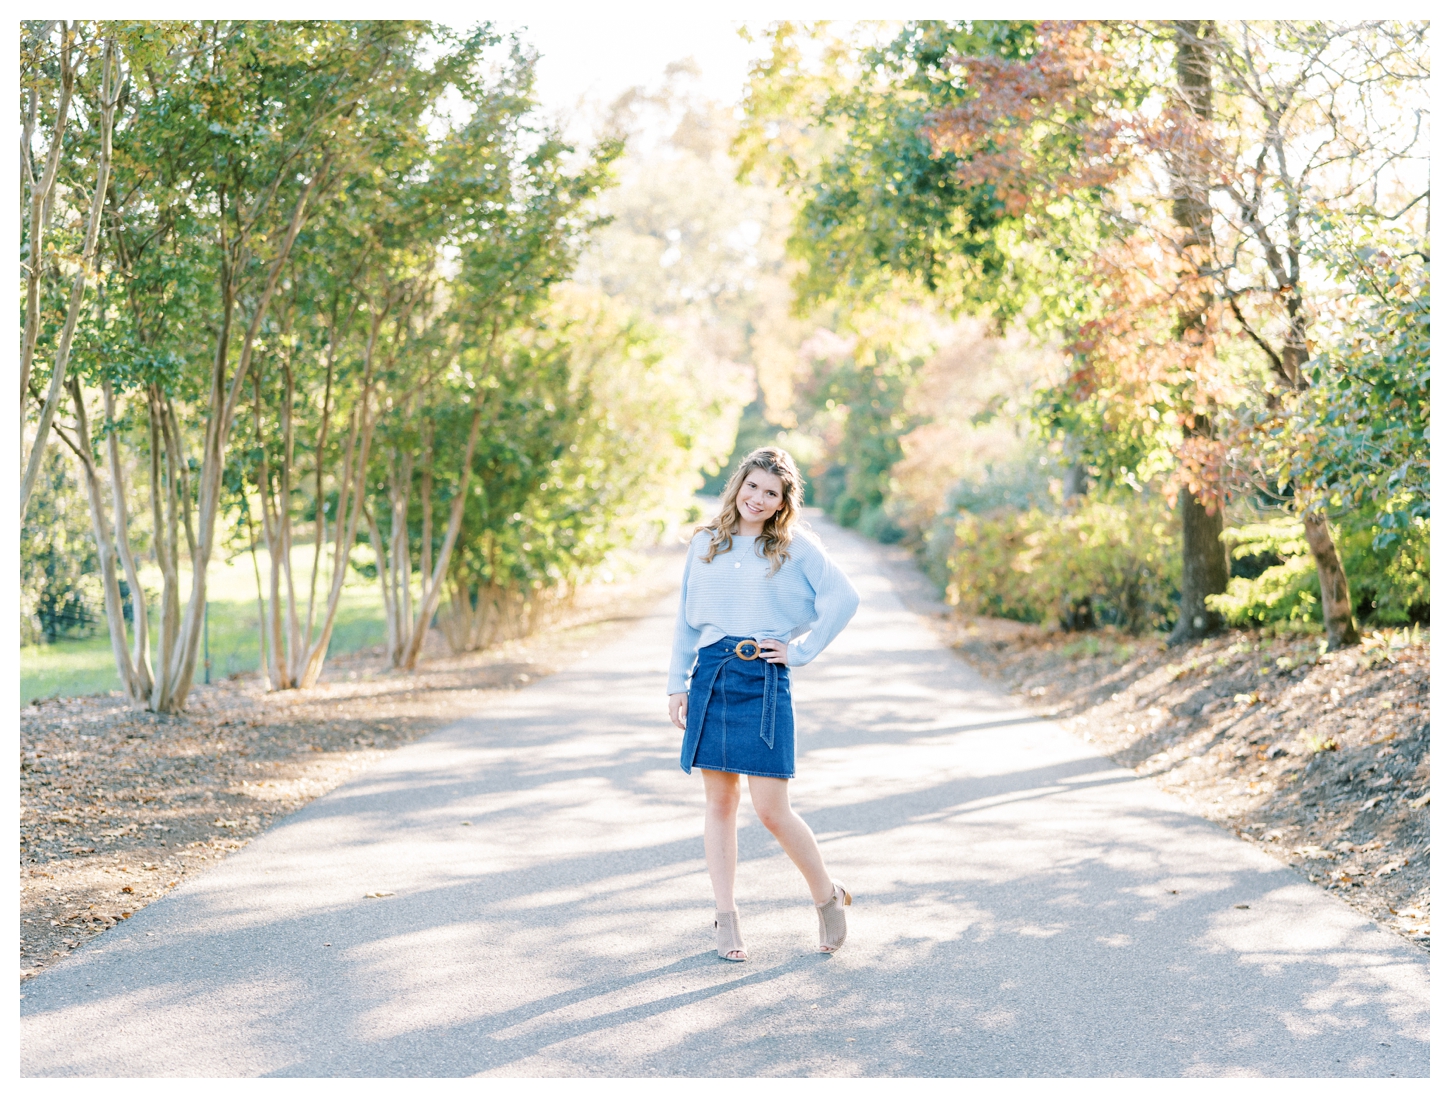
89	258
1192	172
400	558
320	497
1205	568
261	602
168	550
174	679
40	193
380	555
105	548
277	672
425	552
141	647
296	649
351	506
1205	559
433	589
272	621
1339	628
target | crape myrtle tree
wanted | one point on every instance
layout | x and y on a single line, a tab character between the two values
54	58
363	262
259	288
51	52
449	239
518	220
235	134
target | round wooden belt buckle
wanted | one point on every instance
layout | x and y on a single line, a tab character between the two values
754	650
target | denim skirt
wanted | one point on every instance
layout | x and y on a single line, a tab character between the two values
739	718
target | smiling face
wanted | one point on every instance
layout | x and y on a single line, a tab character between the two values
760	497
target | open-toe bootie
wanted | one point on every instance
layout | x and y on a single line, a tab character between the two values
832	917
727	936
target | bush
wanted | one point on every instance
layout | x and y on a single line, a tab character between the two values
1095	562
1013	485
1390	584
60	589
1286	592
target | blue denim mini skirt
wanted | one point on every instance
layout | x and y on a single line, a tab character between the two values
739	718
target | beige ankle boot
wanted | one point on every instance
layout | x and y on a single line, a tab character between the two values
832	916
727	936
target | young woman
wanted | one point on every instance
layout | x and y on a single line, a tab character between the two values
759	598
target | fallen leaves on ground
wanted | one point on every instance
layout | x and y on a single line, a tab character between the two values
1321	759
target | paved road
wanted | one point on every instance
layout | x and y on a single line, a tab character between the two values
1023	908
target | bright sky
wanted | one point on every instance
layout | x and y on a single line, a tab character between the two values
594	60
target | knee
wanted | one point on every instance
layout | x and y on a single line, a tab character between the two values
722	805
774	818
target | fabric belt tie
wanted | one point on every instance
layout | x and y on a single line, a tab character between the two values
767	698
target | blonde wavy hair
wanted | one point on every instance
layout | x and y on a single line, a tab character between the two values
776	535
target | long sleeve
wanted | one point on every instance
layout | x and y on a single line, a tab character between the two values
836	600
687	638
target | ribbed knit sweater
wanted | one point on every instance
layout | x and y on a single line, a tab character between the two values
807	602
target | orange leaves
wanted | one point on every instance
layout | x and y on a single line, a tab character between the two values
1074	117
1157	320
1150	354
1035	127
1202	469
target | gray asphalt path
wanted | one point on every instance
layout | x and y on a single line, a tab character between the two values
1023	908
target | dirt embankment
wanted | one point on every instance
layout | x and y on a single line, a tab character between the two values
118	806
1321	759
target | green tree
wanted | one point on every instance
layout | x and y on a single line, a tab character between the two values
520	216
1133	185
234	135
597	430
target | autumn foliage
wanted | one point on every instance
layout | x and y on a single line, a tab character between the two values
1177	206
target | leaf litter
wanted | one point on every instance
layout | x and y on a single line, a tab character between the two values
1320	759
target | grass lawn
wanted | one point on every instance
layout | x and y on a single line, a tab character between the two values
71	667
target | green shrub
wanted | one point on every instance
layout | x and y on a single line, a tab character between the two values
1390	585
1003	487
1286	592
1094	562
60	589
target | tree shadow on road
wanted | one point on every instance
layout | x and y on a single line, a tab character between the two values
1040	921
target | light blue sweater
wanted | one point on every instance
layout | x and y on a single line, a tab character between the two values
736	596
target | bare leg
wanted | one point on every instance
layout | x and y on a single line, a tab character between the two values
771	798
722	798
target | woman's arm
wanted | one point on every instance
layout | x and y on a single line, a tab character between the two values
836	600
687	638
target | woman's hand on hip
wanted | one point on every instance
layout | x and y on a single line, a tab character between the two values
679	705
774	651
